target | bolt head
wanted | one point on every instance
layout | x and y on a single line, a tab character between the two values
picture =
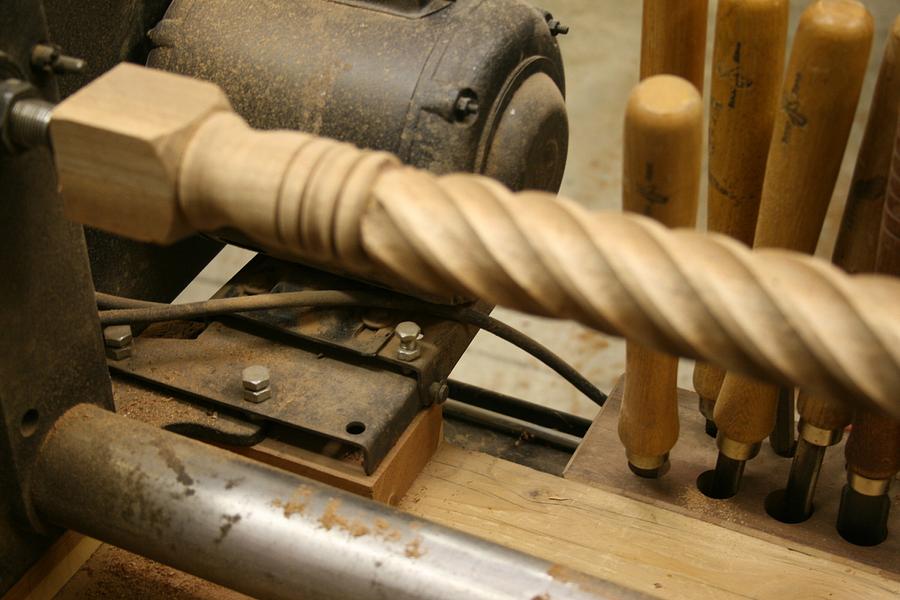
255	378
117	336
408	332
439	392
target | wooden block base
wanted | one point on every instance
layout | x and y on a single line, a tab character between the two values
387	484
600	461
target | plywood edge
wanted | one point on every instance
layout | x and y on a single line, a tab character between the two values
54	569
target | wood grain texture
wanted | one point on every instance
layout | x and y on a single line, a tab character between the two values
673	39
654	550
858	235
661	180
824	412
746	408
708	379
769	314
387	484
873	446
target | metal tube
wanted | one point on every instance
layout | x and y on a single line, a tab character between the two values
266	532
476	414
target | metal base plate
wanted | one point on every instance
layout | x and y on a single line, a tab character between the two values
354	403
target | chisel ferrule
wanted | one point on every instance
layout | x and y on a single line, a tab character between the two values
818	436
650	467
736	450
866	486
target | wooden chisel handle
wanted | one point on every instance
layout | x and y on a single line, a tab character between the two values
748	60
821	90
661	179
673	39
857	240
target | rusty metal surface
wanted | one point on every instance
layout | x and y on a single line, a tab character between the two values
340	328
51	356
356	403
379	80
364	332
191	418
264	531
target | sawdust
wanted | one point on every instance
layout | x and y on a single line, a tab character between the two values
383	528
414	548
331	518
112	573
700	506
296	505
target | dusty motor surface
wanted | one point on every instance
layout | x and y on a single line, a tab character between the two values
470	85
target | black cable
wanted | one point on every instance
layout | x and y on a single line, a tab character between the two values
126	311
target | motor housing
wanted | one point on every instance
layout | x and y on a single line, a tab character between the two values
465	85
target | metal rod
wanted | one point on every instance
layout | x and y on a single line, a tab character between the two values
495	420
517	408
783	437
801	485
262	531
725	480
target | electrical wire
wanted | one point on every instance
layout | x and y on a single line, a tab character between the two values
122	311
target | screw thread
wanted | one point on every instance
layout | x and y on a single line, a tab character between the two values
29	123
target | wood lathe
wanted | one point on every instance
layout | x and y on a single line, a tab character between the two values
299	435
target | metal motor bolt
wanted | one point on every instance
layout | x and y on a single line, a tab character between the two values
409	334
256	382
118	341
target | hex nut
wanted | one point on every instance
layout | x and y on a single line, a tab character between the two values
117	336
257	396
12	91
255	378
118	353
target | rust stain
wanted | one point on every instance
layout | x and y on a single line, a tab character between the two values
229	522
174	463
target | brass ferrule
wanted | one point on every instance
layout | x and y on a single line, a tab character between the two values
736	450
818	436
866	486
